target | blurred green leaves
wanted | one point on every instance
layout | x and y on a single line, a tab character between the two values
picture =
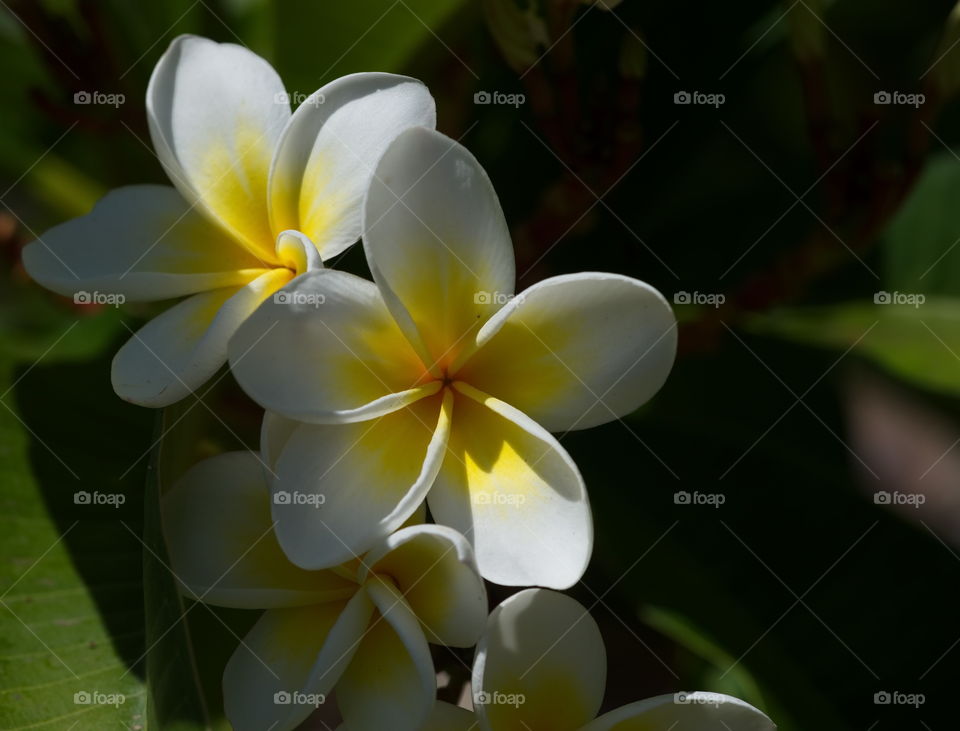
911	327
920	344
317	42
921	246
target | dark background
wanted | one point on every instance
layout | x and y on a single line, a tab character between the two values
797	400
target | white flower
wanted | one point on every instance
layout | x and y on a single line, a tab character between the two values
541	664
436	378
361	628
245	170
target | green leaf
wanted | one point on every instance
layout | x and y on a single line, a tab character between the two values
921	246
71	613
88	603
921	343
738	682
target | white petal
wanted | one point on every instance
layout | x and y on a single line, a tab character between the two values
298	252
342	487
216	519
177	351
325	350
436	241
510	488
391	682
216	112
685	712
275	432
540	664
303	650
577	350
433	566
143	242
328	151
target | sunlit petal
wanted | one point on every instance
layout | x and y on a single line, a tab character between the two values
216	112
437	242
328	152
577	350
510	488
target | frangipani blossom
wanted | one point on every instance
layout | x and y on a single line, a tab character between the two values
245	171
435	378
541	666
361	628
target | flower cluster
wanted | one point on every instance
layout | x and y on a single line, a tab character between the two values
435	385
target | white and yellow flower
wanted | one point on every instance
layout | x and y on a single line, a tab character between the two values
435	378
245	170
541	666
361	628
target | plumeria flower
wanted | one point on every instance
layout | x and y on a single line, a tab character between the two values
244	171
541	666
361	628
436	378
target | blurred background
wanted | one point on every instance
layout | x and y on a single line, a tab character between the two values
782	522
